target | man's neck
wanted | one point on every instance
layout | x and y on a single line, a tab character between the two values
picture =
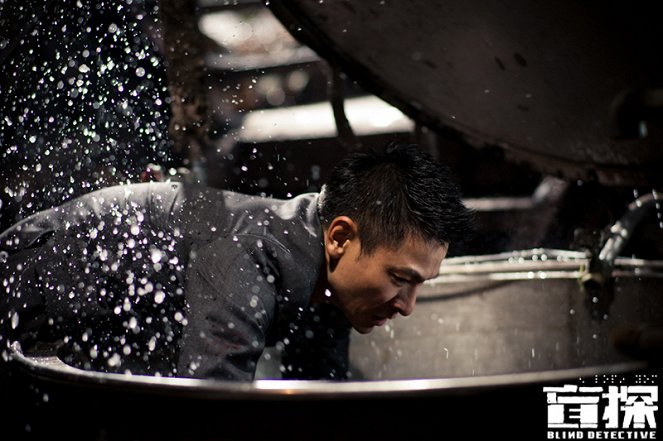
321	290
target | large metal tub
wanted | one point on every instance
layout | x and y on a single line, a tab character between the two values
489	330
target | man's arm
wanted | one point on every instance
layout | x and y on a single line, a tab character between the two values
230	308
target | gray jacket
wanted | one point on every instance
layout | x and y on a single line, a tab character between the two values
216	274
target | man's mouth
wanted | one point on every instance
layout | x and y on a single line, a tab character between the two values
379	321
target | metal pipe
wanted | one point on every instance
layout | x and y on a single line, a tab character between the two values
597	281
622	230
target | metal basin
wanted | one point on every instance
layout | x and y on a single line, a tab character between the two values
488	330
58	400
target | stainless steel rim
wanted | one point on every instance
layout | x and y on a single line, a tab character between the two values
49	367
523	265
533	264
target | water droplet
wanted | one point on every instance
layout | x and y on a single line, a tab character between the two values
155	256
159	297
114	360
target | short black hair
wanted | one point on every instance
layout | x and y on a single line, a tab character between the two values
394	194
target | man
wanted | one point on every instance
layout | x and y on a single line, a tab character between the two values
126	273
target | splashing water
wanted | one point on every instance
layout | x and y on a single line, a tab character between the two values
78	93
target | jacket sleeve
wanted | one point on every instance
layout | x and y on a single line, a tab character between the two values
231	303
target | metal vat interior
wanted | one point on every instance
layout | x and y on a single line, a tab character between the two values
516	312
534	320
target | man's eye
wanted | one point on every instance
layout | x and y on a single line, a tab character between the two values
398	280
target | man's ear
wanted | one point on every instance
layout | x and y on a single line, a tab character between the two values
341	231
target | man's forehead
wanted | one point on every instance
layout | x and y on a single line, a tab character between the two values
416	242
423	263
423	248
413	274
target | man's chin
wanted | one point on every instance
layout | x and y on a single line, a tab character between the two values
363	329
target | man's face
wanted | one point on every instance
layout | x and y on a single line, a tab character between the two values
371	288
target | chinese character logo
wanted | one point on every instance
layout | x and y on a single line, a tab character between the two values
572	406
637	403
596	412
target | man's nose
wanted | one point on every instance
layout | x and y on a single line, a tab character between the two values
405	300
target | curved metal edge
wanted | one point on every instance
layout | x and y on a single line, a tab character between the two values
533	264
303	29
50	368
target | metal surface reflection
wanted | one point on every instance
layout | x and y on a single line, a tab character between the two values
558	85
491	320
47	366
